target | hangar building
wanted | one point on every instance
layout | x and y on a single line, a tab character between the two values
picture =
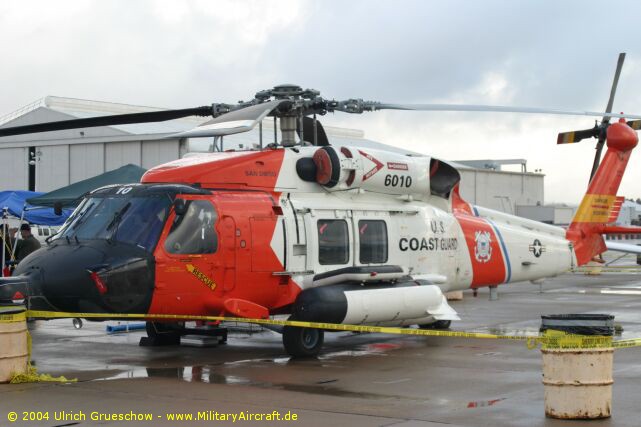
50	160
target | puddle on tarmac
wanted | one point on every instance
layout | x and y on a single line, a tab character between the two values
204	374
210	374
512	331
374	349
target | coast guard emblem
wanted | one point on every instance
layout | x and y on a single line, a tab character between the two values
483	249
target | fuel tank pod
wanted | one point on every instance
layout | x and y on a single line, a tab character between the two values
398	305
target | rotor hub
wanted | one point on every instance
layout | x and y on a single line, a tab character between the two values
287	91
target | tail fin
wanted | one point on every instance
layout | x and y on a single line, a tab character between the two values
597	205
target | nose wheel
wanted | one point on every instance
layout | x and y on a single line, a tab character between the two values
302	342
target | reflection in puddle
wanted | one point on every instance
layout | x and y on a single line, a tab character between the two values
277	360
209	374
349	353
205	374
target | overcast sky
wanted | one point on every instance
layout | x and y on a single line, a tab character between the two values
557	54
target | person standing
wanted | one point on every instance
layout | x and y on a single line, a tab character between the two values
26	244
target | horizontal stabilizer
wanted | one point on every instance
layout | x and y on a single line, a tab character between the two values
623	247
614	229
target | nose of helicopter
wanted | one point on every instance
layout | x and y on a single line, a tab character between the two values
94	276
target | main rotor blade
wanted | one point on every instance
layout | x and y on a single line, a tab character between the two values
118	119
237	121
499	109
606	119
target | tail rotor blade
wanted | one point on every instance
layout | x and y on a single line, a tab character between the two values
577	135
635	124
606	119
615	83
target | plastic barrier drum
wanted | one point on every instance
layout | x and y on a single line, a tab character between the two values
13	342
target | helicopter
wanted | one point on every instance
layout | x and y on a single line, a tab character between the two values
322	233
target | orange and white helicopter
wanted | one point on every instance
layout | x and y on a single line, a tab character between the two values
320	232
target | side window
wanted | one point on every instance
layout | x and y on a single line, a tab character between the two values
373	241
333	241
193	232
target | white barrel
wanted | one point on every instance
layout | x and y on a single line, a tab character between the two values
13	343
454	295
578	383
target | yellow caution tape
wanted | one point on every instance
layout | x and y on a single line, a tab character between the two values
13	317
298	323
549	340
553	339
633	342
32	376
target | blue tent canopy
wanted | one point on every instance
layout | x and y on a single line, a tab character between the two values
15	202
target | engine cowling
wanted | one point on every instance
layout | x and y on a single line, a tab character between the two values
345	168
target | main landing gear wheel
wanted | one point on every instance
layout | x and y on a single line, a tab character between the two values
302	342
439	324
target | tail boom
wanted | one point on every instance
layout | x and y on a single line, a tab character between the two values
590	220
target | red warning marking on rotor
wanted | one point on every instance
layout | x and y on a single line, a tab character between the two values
375	169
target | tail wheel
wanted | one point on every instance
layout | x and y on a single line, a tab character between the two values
439	324
302	342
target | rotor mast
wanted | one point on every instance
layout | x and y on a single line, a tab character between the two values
291	111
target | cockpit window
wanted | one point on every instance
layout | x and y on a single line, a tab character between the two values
133	220
193	232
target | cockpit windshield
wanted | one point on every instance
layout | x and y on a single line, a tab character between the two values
134	220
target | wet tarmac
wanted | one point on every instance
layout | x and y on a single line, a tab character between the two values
359	379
